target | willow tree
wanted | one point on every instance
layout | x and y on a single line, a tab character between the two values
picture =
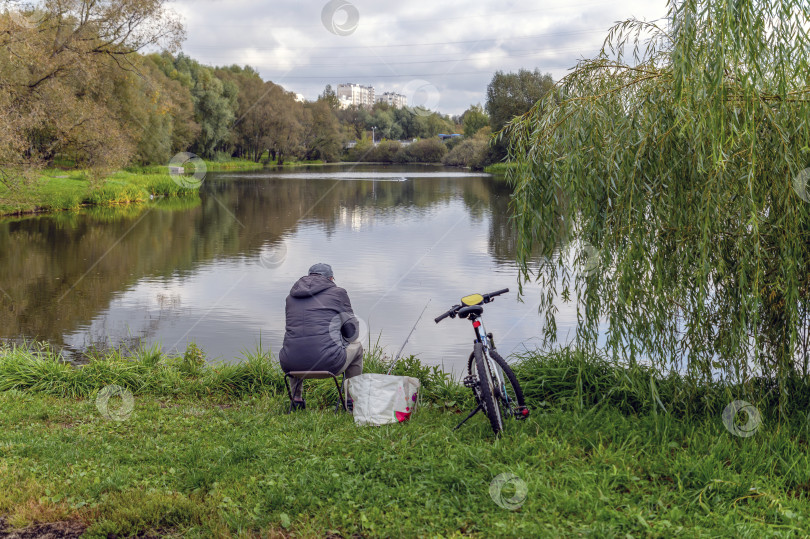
679	158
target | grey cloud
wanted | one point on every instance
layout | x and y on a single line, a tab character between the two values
456	46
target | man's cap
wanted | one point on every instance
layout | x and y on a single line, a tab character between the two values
322	269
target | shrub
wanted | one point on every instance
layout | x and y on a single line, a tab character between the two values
485	132
385	152
360	152
452	143
422	151
471	152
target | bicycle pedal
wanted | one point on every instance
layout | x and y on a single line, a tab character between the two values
470	381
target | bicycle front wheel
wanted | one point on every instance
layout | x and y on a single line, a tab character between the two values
486	390
510	393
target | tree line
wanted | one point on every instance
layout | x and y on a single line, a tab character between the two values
76	86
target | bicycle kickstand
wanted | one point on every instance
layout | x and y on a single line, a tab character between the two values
475	411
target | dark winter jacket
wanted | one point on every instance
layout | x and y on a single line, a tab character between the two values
320	324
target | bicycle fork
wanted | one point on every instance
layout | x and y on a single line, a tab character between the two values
488	342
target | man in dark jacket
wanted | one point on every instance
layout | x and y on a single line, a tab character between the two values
322	332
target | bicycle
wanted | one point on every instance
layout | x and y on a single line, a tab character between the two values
487	371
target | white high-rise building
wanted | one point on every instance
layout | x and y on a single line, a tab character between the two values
355	94
394	99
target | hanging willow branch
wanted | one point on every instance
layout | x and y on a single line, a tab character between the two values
678	154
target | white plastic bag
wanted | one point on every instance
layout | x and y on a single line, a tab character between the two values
380	399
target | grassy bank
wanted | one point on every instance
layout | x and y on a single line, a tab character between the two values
292	164
211	166
58	189
234	164
69	190
498	168
208	451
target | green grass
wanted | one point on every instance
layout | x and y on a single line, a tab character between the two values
50	193
499	168
37	368
69	190
208	451
58	189
234	165
230	164
290	164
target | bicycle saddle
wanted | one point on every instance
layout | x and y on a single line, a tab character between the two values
475	310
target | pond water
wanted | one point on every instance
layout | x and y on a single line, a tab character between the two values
216	270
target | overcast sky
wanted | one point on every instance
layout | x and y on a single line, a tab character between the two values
440	54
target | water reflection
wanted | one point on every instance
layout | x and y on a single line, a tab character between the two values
216	270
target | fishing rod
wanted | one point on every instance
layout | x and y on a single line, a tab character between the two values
407	338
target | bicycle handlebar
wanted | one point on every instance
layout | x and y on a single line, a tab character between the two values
488	297
452	312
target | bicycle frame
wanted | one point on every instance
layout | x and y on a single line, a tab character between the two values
481	336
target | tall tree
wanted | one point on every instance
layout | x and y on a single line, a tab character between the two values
330	97
513	94
356	117
685	169
156	111
58	64
510	95
321	132
215	102
286	129
473	119
250	131
171	94
437	123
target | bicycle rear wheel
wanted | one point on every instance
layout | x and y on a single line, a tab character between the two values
486	390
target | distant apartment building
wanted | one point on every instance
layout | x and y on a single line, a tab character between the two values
398	101
355	94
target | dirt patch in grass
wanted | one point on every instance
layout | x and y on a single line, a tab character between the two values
48	530
802	489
